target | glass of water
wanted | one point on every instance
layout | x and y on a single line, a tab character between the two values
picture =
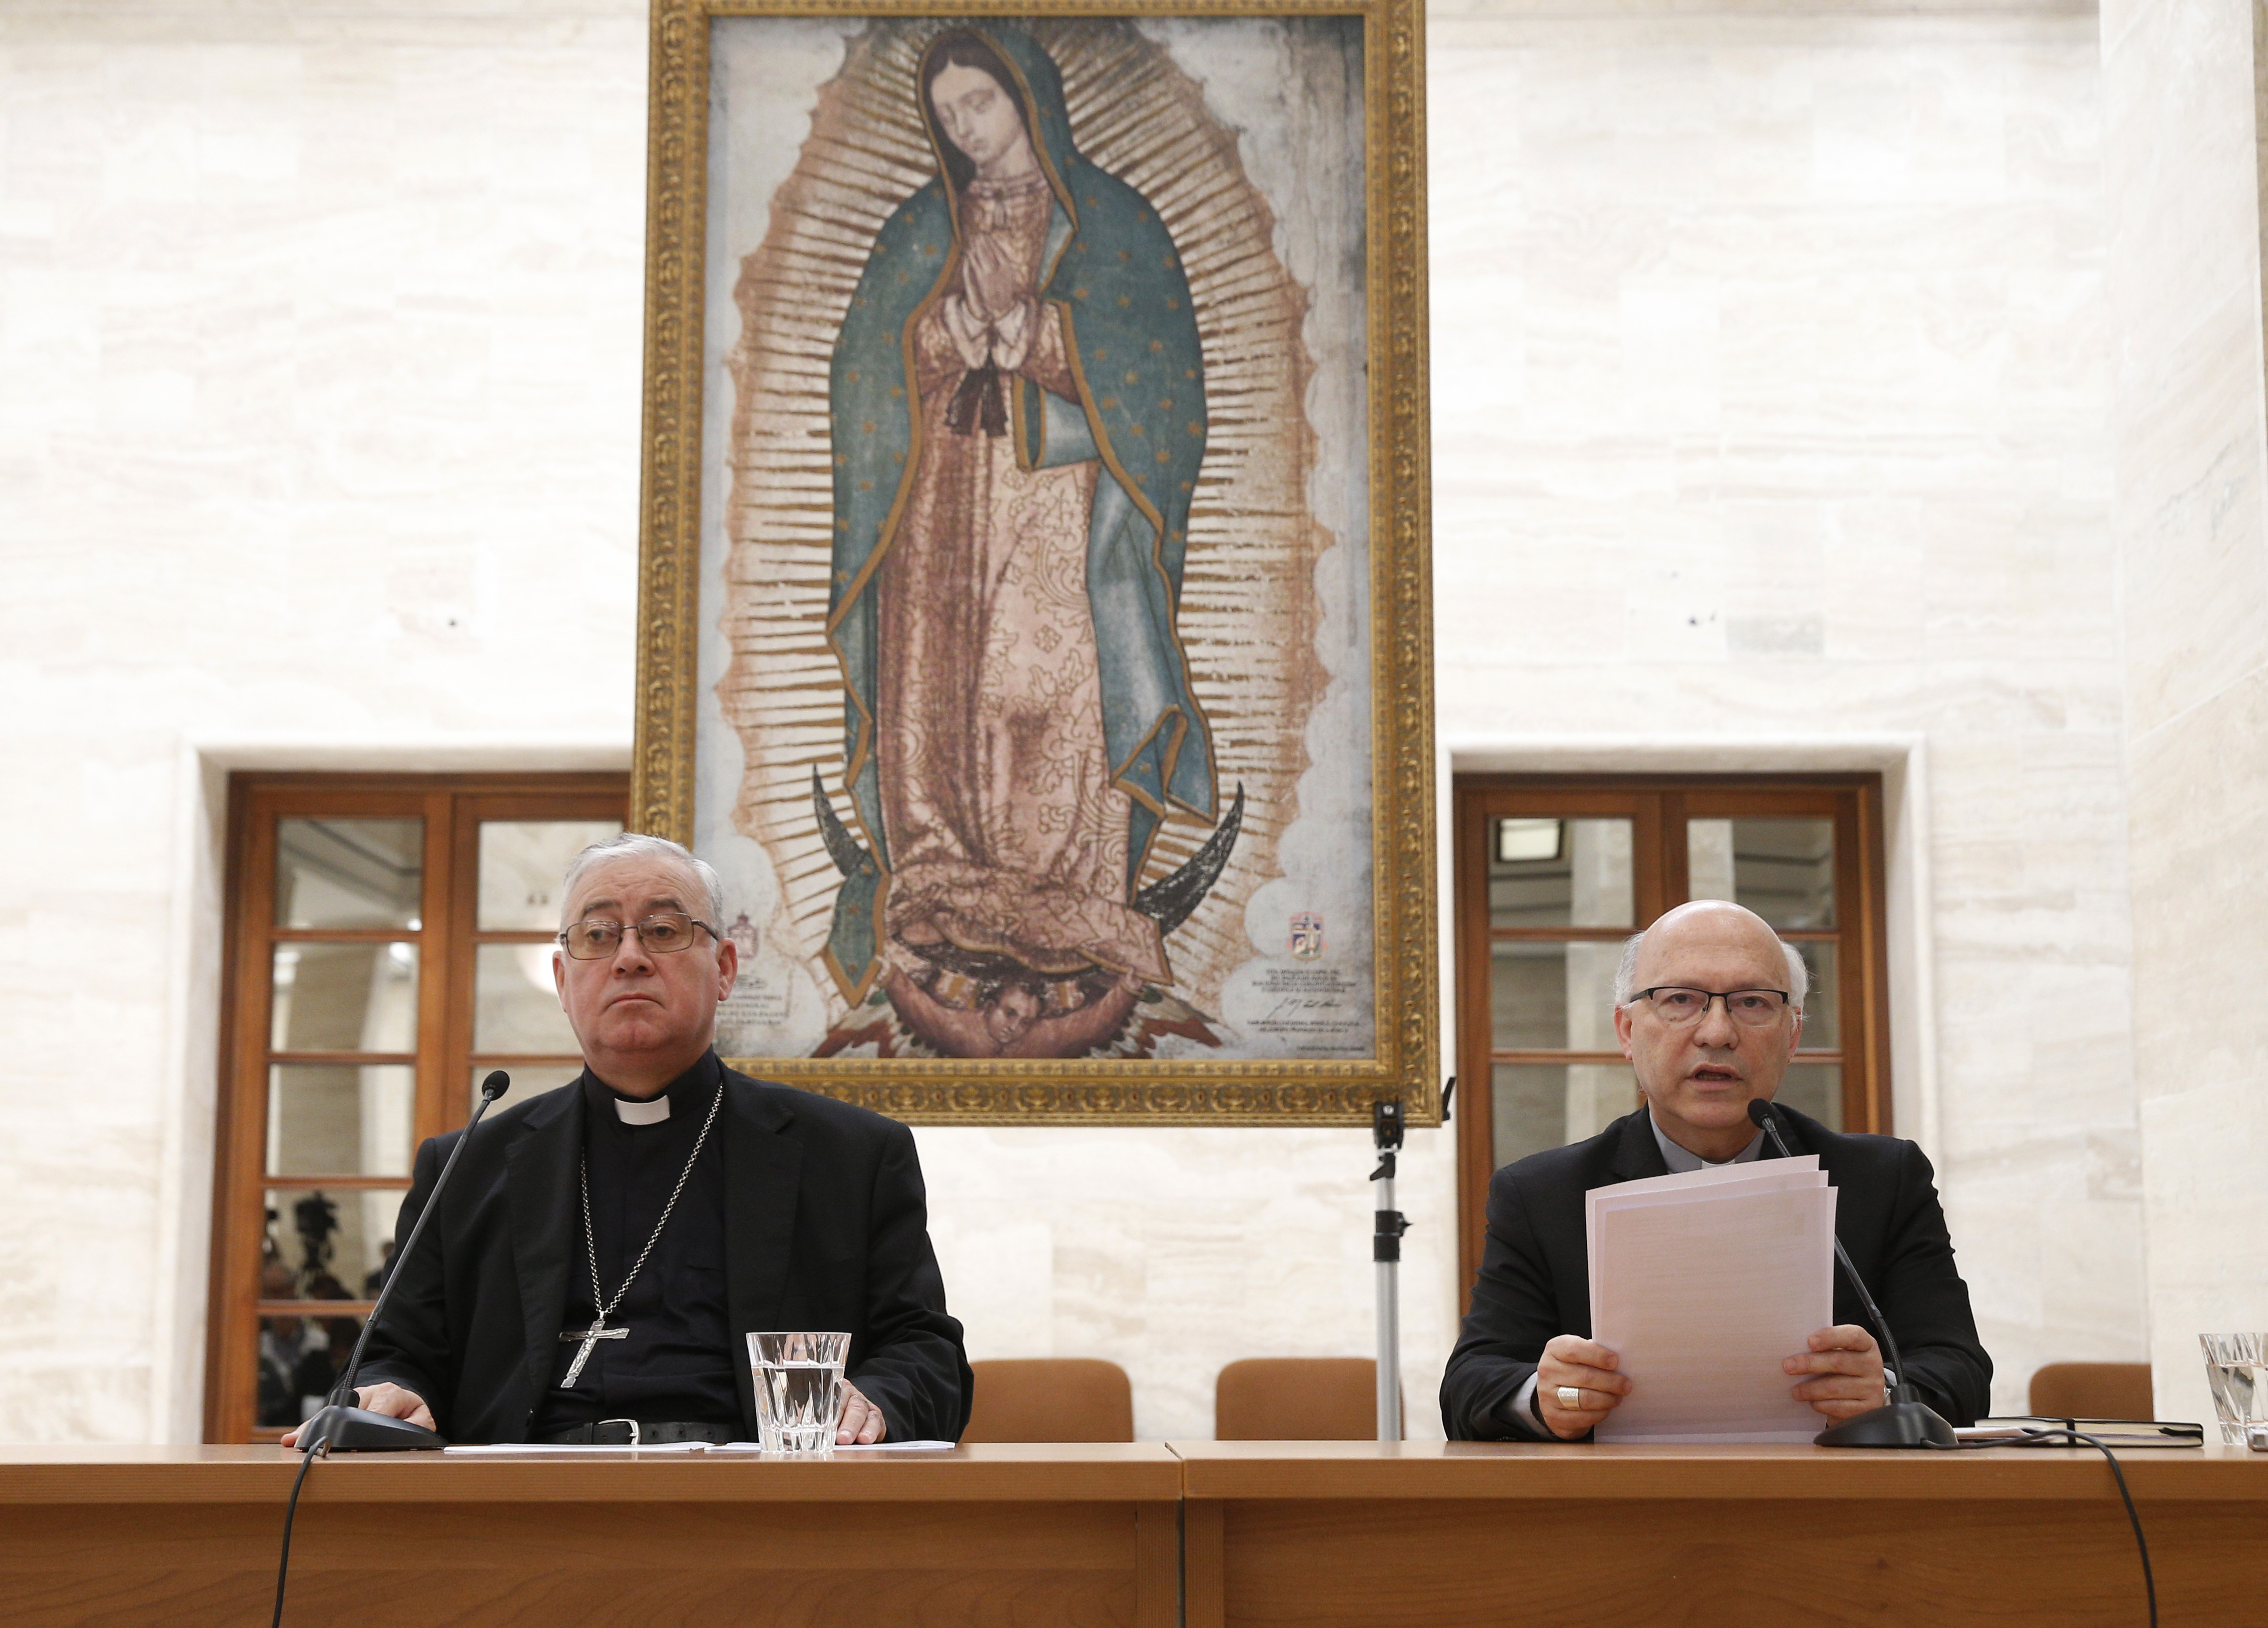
798	1390
2235	1368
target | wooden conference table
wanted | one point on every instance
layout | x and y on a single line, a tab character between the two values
1447	1535
185	1536
1143	1536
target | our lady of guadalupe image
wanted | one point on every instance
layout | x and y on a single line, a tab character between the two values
1037	635
1018	419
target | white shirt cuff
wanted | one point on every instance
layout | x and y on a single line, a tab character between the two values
1519	1412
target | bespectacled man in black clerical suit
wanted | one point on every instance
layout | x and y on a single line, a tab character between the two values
607	1246
1708	1006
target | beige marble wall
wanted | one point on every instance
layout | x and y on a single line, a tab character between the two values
319	359
1776	415
2183	178
1771	401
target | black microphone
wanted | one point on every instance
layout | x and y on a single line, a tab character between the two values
342	1427
1906	1420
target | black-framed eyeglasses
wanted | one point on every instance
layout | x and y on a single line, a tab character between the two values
1675	1004
664	932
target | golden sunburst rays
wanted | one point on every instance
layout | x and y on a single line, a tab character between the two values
1247	616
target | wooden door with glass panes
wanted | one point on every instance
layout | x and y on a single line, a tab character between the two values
389	942
1553	876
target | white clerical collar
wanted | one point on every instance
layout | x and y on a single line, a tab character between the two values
652	1112
1680	1160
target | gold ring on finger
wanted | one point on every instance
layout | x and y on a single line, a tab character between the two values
1571	1399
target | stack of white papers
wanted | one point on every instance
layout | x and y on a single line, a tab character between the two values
570	1449
1703	1284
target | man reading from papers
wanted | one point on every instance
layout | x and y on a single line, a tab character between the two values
1708	1006
607	1246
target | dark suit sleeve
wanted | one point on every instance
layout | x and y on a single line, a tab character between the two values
1513	1315
1926	1302
912	1366
410	1348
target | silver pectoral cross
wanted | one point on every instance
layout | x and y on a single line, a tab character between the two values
590	1337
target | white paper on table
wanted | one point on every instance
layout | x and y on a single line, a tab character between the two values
1703	1287
570	1448
863	1447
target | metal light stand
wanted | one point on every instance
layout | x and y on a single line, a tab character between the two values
1385	1126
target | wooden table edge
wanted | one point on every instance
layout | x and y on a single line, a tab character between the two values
1249	1472
1146	1478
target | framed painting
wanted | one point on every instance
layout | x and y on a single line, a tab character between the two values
1035	606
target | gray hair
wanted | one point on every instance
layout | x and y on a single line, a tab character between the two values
1799	975
637	845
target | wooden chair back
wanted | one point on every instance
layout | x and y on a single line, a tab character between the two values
2092	1390
1296	1399
1050	1399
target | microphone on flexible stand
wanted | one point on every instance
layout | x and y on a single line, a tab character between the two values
1906	1420
341	1427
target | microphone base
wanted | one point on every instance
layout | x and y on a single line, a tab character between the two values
358	1430
1900	1424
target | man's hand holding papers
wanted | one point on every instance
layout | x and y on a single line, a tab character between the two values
1700	1284
1845	1363
1586	1366
1848	1369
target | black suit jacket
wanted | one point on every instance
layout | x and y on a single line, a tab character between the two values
826	1226
1535	1279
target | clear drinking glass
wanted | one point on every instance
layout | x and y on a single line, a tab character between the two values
798	1390
2237	1370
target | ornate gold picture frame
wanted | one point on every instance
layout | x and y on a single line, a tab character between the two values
1035	603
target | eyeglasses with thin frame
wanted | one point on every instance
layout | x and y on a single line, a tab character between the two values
663	933
1678	1006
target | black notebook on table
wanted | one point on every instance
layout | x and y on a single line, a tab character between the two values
2017	1428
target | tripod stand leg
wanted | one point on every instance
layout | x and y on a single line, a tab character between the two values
1386	1252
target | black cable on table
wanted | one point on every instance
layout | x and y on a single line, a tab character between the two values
2037	1437
284	1567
